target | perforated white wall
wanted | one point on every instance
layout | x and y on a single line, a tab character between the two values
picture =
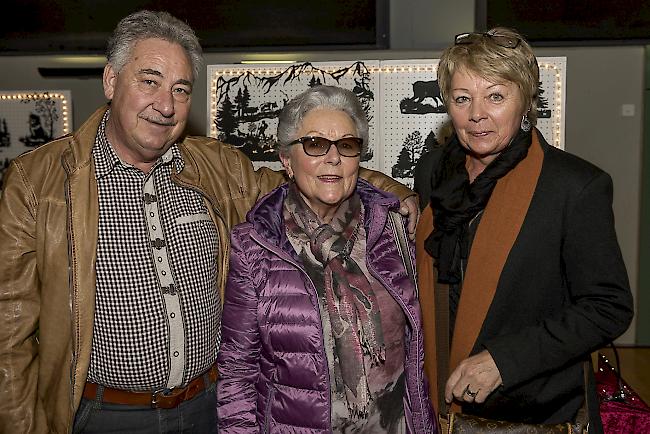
401	98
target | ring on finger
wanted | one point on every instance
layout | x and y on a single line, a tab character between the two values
470	393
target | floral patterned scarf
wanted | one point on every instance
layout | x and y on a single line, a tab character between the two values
351	302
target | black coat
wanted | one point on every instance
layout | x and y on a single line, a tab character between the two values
562	294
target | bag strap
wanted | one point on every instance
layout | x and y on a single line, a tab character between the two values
619	375
403	247
442	309
441	297
582	418
620	395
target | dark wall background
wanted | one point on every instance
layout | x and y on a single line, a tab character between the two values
83	25
568	21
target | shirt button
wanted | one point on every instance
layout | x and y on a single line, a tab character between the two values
163	272
159	259
151	214
175	353
172	315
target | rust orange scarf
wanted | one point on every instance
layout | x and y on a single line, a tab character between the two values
495	236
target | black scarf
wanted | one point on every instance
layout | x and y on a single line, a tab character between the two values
455	201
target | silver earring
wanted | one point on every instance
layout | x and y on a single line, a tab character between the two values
525	123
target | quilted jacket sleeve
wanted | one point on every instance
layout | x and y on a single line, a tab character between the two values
239	354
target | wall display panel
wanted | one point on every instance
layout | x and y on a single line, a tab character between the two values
401	99
30	118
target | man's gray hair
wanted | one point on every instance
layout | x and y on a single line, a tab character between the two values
320	97
146	24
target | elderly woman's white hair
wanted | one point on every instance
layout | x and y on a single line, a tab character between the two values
320	97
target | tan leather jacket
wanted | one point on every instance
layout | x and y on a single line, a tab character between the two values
48	240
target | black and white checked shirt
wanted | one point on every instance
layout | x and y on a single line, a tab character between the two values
157	311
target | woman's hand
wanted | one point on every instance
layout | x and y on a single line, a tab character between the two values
410	208
474	379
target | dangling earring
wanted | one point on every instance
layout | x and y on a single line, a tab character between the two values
525	123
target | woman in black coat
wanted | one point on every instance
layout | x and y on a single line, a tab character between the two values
523	236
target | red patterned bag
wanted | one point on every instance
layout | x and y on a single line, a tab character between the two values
621	409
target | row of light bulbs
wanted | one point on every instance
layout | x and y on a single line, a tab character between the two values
43	95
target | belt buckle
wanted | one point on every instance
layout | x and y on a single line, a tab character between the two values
154	396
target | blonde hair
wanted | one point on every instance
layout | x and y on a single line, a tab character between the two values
493	62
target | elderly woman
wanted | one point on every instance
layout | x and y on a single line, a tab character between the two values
522	236
321	327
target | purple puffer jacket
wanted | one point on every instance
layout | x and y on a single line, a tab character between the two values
273	374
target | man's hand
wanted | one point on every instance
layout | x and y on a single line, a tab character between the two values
474	379
410	208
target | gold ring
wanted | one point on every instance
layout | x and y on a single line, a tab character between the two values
470	393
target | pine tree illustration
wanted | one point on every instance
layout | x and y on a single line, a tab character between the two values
47	109
430	142
402	164
542	102
413	148
226	121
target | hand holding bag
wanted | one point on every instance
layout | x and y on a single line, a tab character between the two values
465	423
459	423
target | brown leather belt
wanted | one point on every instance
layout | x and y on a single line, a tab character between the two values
161	399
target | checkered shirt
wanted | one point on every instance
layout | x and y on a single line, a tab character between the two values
157	311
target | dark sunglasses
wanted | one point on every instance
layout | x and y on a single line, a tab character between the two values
500	40
319	146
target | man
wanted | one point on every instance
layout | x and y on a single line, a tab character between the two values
115	244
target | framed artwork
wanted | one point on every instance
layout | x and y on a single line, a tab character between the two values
401	99
29	119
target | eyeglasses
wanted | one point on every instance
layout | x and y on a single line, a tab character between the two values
500	40
319	146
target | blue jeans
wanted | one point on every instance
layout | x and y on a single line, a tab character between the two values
196	416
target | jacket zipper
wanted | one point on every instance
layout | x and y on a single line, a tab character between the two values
74	308
267	411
